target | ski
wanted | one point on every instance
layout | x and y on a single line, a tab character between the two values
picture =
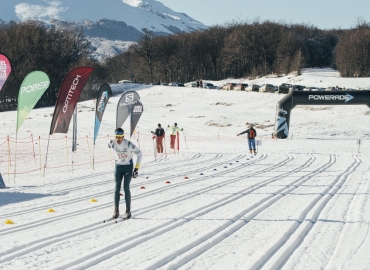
121	219
108	219
116	220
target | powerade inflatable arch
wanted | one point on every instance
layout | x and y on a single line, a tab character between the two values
294	98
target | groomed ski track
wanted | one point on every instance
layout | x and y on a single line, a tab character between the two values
235	211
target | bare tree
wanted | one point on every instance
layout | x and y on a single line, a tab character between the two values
353	52
33	46
298	61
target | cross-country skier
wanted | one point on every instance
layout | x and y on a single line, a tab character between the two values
252	133
159	133
124	151
174	129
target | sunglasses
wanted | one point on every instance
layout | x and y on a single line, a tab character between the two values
119	136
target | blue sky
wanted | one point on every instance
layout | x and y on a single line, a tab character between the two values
324	14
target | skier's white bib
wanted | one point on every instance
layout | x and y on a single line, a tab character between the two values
124	152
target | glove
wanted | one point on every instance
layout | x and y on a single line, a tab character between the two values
182	129
135	173
110	144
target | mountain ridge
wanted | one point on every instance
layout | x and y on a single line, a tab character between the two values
150	14
119	22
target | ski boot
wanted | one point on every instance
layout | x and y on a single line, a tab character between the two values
127	215
116	213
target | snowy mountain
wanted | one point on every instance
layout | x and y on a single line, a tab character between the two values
109	20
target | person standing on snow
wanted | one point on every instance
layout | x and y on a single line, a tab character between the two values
173	129
124	151
159	133
252	133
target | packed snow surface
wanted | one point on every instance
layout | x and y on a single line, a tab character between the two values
300	203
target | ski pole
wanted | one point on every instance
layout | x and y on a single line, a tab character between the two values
185	140
155	154
138	139
165	149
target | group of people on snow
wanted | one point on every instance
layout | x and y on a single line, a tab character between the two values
199	83
159	134
124	166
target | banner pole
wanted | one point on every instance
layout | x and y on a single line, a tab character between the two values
67	154
8	159
88	146
93	160
15	155
74	133
73	157
33	147
46	157
40	156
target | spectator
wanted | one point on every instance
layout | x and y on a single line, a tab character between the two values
252	133
174	131
159	134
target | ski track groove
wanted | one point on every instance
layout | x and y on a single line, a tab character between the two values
18	251
279	254
109	192
62	192
76	213
367	229
84	229
343	230
200	245
73	179
222	203
97	256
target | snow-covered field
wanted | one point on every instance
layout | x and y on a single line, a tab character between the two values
300	203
